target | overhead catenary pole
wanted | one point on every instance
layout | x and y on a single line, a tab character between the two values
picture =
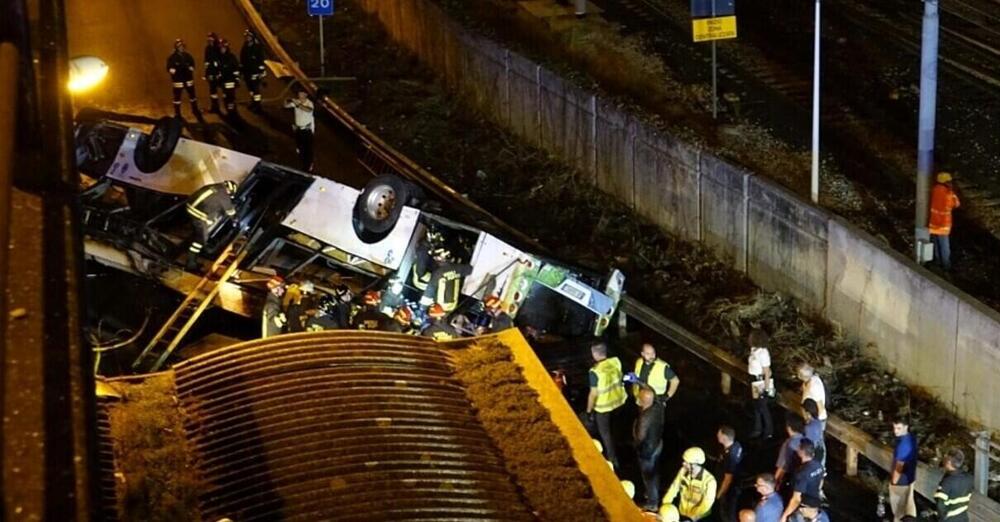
925	133
815	112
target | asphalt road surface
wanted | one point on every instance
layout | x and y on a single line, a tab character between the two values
135	39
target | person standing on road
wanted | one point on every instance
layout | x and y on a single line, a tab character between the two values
695	485
813	388
654	374
787	456
943	202
180	65
648	434
212	59
904	471
770	507
814	429
810	511
728	495
954	493
304	127
607	394
252	58
808	480
761	384
229	76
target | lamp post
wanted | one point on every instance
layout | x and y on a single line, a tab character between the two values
925	136
814	186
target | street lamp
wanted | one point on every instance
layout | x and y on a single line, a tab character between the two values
85	72
814	185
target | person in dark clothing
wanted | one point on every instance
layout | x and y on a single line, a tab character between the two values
402	321
252	58
445	285
208	207
438	329
808	479
954	493
369	317
180	65
810	511
788	460
496	319
212	63
648	434
328	316
229	76
728	495
273	317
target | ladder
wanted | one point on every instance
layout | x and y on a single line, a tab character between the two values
177	326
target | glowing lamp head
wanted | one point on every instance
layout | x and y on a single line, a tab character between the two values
85	72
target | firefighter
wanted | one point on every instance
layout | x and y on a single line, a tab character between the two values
180	65
695	485
402	321
607	393
212	62
954	493
252	58
943	202
445	285
208	207
229	76
439	329
327	316
273	316
497	319
369	317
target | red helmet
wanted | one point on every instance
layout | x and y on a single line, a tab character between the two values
436	311
492	302
275	282
403	315
372	298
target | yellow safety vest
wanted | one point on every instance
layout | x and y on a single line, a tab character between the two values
656	379
697	493
610	390
447	290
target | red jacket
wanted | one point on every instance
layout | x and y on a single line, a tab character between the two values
943	201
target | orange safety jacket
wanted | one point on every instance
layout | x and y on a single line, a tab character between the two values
943	201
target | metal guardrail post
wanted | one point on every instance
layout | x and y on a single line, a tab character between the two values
981	469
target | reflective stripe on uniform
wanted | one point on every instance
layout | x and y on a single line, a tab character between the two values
178	85
189	83
656	379
610	390
195	247
229	85
257	97
956	512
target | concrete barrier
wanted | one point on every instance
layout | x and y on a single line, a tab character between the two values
931	334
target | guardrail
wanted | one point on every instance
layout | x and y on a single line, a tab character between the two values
8	109
857	442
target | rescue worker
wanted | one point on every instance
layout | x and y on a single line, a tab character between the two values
647	433
438	329
402	321
445	284
423	263
653	373
731	471
954	493
369	317
180	65
208	207
212	62
695	486
497	319
943	201
273	316
607	393
229	76
327	316
252	58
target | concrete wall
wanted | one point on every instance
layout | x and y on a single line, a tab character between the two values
933	335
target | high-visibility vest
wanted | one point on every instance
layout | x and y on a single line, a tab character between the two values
943	201
448	288
610	390
655	380
697	493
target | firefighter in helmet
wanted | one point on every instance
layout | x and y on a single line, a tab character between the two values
438	329
229	75
180	65
252	58
209	207
369	317
445	285
212	63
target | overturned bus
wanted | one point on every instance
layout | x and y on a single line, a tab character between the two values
305	226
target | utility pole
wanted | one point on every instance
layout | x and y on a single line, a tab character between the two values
814	187
925	136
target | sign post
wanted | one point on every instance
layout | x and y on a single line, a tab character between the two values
320	8
713	20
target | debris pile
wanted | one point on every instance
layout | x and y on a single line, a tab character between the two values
534	451
155	472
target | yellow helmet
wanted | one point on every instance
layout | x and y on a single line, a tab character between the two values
694	456
669	513
943	177
629	488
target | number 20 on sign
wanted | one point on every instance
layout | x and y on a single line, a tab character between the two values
718	28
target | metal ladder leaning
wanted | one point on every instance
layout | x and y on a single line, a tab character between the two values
177	326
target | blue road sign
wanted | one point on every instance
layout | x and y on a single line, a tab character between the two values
703	8
319	7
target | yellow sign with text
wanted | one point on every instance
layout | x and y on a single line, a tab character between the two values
718	28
